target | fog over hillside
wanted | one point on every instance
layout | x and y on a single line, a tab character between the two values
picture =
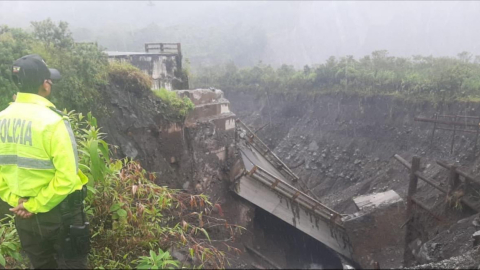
296	33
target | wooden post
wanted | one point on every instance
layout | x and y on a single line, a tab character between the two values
476	139
179	48
468	183
453	182
453	136
412	186
454	179
409	230
433	130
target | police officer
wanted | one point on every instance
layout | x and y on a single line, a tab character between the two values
39	175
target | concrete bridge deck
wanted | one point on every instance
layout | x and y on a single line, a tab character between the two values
269	184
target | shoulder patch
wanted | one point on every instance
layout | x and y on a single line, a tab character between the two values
57	111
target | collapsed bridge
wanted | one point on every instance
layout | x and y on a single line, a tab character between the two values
264	180
367	238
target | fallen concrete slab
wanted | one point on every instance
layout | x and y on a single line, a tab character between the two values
375	200
376	231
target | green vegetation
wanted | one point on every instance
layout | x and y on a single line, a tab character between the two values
10	244
131	217
180	106
14	43
128	76
418	77
83	66
162	260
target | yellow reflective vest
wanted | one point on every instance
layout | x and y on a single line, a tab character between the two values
38	155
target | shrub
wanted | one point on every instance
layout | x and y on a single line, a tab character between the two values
180	106
127	75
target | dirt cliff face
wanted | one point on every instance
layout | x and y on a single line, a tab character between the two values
343	147
135	122
193	157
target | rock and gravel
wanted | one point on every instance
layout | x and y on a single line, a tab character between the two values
469	260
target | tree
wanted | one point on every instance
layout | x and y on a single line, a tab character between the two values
378	73
14	43
58	36
465	56
84	67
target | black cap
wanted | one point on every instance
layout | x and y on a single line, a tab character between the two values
32	71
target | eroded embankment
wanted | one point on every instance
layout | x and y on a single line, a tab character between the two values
190	156
343	146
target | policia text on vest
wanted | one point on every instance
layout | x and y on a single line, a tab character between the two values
20	131
39	175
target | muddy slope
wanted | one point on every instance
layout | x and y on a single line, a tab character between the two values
135	123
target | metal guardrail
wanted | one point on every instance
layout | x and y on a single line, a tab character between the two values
175	48
268	179
262	148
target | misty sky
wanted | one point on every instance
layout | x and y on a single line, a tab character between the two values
295	32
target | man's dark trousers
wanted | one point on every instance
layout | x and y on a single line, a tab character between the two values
43	237
4	211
